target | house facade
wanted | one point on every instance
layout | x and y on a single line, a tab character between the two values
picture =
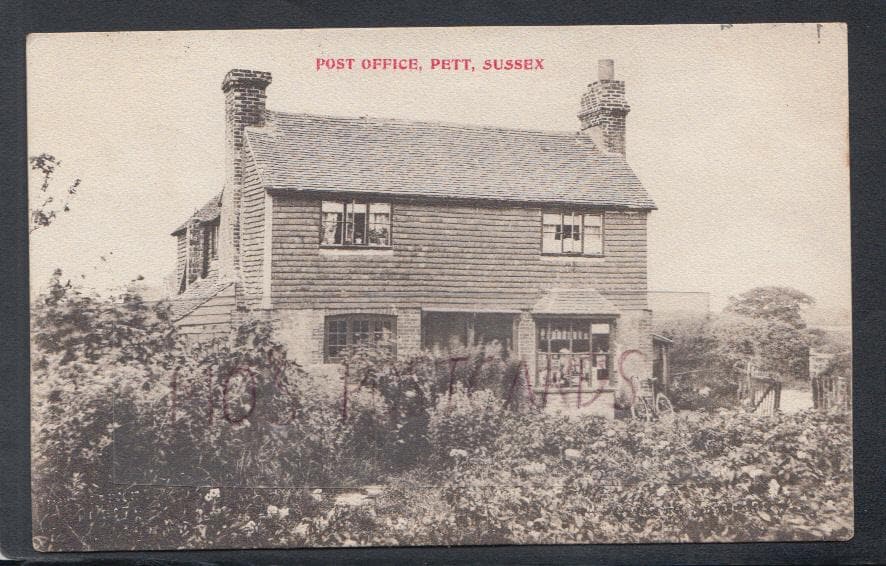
427	235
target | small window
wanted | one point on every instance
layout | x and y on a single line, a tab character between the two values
573	350
571	233
355	223
343	331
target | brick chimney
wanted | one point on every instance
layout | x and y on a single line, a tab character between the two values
603	109
244	106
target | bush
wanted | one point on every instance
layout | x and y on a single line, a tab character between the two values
121	401
464	425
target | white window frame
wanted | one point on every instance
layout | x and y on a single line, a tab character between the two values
571	219
346	225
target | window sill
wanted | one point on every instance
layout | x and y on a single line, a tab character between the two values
566	258
355	250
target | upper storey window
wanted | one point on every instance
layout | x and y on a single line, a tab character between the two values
572	233
355	223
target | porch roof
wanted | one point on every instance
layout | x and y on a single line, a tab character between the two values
583	300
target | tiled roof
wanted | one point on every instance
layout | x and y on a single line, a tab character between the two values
322	153
196	294
206	213
585	300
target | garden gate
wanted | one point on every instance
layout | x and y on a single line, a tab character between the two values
760	392
765	396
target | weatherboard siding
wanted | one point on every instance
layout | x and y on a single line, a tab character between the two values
181	258
212	317
448	256
252	230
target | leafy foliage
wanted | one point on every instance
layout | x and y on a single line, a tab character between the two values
123	407
783	304
762	328
49	202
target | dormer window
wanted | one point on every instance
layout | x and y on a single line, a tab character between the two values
572	233
355	223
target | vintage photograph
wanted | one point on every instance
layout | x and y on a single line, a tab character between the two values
440	286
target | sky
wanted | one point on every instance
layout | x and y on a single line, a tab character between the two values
740	134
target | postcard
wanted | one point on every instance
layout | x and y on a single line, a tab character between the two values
440	286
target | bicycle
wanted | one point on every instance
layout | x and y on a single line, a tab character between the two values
649	403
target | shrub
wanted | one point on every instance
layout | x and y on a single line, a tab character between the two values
466	423
236	412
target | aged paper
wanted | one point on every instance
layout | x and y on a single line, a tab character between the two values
372	287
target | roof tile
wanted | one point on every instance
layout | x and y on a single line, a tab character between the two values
304	152
206	213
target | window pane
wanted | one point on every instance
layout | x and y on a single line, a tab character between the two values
550	240
333	222
571	236
379	224
593	224
542	337
593	220
357	219
343	331
550	219
601	343
560	334
336	337
332	206
360	331
600	328
601	365
581	337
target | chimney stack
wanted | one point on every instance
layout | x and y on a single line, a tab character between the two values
244	106
603	109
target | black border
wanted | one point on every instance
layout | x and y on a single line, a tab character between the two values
866	48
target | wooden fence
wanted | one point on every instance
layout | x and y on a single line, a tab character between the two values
832	393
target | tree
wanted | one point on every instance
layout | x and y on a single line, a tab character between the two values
782	304
770	344
49	202
694	342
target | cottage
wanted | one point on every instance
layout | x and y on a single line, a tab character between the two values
427	234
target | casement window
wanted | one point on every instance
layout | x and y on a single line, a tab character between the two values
343	331
573	350
355	223
572	233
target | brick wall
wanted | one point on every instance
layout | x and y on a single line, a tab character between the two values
603	110
633	331
526	342
408	332
244	106
195	250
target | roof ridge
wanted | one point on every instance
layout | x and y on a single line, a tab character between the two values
438	123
